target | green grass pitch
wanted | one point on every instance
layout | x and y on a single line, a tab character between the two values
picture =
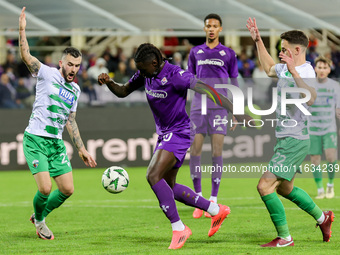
94	221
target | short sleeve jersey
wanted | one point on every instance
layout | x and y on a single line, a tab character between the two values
212	66
166	94
322	120
294	123
55	99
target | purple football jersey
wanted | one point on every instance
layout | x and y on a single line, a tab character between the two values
212	66
167	95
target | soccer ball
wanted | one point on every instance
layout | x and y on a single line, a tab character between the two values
115	179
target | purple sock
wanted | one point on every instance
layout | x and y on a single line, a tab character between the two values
195	171
216	176
187	196
166	200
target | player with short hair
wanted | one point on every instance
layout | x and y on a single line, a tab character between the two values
54	108
212	63
166	88
292	140
322	126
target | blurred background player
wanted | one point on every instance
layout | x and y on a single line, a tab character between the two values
322	126
213	63
293	142
166	88
54	108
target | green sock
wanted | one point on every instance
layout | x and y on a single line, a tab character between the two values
304	201
39	205
318	177
55	199
277	214
331	172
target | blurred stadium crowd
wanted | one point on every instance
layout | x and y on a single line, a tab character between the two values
17	86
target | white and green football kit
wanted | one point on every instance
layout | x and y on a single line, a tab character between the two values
291	131
322	122
55	99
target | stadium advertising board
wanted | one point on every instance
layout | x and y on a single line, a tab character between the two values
126	136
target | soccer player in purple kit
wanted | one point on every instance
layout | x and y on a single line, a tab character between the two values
212	63
166	88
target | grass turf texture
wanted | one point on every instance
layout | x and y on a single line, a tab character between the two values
94	221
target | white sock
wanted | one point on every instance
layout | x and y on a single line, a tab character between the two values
288	238
37	222
321	219
212	198
213	209
330	185
199	193
321	190
177	226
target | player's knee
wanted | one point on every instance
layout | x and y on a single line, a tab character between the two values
330	158
262	188
68	192
45	190
153	177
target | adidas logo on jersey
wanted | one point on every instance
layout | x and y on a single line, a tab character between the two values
200	51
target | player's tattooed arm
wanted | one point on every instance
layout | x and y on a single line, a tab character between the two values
31	62
73	131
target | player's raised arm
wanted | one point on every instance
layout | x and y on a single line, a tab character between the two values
267	62
203	88
31	62
120	90
73	131
288	59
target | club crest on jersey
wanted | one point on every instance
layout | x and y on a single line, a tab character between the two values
66	96
164	81
222	52
35	163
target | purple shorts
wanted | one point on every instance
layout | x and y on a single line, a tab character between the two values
205	124
178	143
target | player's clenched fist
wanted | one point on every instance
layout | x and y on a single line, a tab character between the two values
103	78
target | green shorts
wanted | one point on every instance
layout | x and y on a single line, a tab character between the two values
289	153
318	143
46	154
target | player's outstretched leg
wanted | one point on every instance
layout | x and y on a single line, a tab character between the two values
326	225
42	230
324	219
